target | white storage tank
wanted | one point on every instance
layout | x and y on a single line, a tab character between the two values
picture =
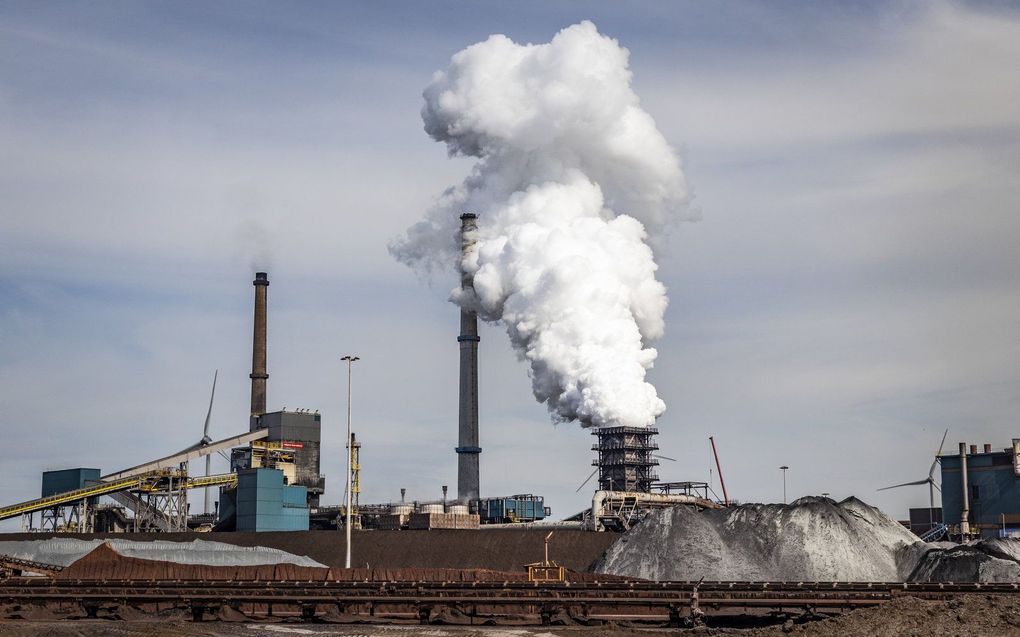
457	509
401	509
430	508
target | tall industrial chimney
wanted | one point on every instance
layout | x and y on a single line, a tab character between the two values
468	449
258	354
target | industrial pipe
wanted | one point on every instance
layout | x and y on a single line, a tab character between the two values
599	499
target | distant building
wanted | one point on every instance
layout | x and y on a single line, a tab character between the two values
923	520
992	490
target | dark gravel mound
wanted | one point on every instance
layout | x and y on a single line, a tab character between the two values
992	560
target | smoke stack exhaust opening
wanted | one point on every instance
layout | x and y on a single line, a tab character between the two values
259	375
467	444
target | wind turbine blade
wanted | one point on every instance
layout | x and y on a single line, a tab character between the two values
905	484
208	415
936	487
934	462
655	455
586	480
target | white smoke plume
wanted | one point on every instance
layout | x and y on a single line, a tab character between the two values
572	178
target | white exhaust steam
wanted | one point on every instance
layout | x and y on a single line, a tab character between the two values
572	178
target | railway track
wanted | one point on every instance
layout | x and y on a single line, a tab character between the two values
476	602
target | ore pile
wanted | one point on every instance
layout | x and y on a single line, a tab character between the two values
64	551
991	560
812	539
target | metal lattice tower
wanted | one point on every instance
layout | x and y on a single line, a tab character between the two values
355	474
624	458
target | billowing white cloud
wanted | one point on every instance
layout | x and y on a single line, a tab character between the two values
571	177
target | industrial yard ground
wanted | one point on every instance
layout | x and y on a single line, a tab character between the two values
753	570
966	616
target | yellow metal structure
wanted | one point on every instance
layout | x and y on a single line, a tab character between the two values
148	482
68	497
223	479
273	455
355	474
546	570
539	572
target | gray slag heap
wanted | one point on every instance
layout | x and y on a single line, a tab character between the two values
812	539
991	560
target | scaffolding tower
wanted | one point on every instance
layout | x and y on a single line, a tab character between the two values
355	474
624	458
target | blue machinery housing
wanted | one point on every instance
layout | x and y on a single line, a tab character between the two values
262	502
514	508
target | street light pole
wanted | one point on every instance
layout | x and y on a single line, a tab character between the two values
784	468
350	361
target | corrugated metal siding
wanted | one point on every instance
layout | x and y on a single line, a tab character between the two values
264	503
63	480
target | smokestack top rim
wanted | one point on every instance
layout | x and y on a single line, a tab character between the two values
261	278
469	215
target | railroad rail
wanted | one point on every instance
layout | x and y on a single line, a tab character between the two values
673	603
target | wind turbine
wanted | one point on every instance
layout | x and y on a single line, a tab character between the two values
930	481
206	439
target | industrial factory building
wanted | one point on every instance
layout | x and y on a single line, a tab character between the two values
981	490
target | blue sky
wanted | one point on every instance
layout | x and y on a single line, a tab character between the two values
851	289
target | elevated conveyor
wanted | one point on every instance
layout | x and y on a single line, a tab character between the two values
143	477
144	483
70	497
191	453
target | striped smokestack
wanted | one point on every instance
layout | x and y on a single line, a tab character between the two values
468	449
258	354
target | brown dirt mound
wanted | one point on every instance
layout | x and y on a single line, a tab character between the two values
970	615
103	563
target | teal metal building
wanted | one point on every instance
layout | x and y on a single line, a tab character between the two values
54	482
262	502
992	490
